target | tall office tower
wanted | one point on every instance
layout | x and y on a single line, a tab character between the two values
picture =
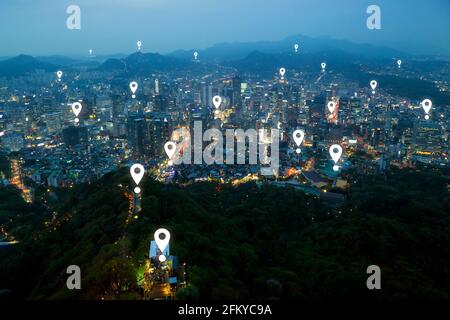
197	98
427	137
120	127
104	110
2	121
388	125
161	103
118	108
158	133
317	111
136	135
227	94
207	95
404	133
344	110
75	135
375	137
355	116
156	86
292	113
236	98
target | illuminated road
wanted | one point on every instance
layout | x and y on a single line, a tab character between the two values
320	77
129	196
16	180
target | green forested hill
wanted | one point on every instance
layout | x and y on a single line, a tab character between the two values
238	242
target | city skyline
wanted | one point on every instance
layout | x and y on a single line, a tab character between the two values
301	169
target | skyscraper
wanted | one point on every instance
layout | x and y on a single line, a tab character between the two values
427	137
136	135
75	135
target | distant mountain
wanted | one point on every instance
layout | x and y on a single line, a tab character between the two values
266	64
58	60
22	65
144	63
77	60
239	50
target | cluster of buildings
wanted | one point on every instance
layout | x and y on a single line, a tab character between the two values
376	130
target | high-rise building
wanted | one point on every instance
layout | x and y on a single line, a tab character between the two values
158	133
136	135
75	135
207	95
161	103
156	86
236	96
118	108
427	137
355	111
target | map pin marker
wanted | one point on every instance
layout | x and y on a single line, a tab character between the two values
76	108
426	105
137	173
296	47
162	238
331	106
298	136
170	147
335	153
59	74
217	101
323	65
373	84
139	44
195	55
282	72
399	62
133	87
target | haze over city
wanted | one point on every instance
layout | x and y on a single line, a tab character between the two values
109	27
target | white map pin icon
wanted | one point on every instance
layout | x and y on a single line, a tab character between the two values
335	153
426	105
323	65
399	62
76	108
331	106
296	47
170	147
59	74
139	44
133	88
373	84
217	101
298	136
195	55
137	173
162	242
282	72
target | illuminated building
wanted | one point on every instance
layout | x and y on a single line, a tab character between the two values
136	135
157	134
427	137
